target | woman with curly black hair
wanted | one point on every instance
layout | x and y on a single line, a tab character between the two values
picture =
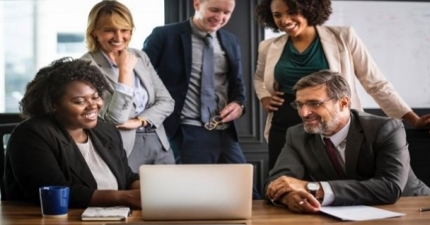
62	142
307	47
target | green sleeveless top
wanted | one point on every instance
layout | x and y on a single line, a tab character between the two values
294	65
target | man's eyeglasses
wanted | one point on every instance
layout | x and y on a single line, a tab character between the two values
213	123
309	104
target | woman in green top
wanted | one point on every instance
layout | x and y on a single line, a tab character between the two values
307	47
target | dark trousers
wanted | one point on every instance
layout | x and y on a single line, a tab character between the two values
197	145
285	117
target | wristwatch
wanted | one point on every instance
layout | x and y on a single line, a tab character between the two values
313	187
143	121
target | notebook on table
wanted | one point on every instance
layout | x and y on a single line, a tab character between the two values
196	192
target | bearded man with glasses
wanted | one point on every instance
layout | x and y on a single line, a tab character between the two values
340	156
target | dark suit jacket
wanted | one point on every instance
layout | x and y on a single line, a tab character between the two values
41	152
376	162
169	49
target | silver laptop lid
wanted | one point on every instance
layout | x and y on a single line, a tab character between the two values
196	192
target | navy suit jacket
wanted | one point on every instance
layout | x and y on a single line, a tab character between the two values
41	152
169	49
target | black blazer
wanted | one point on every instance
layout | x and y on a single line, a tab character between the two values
41	152
170	51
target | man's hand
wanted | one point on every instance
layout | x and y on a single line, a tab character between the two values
301	202
284	185
231	112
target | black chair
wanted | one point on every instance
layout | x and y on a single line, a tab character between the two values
5	130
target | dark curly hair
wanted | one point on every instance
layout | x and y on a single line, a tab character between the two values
316	12
50	82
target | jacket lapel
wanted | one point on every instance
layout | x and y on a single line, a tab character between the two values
105	66
318	149
103	145
77	163
186	44
354	140
142	72
331	49
273	55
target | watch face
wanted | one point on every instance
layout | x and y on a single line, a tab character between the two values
312	186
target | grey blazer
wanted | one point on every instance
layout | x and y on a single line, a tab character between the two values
376	162
119	107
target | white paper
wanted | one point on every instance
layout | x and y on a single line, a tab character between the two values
358	213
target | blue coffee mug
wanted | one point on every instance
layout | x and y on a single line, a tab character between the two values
54	200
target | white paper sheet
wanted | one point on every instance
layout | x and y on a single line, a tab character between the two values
358	213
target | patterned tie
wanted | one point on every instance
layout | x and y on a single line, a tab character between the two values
207	94
331	152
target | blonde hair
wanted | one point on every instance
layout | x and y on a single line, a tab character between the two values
107	11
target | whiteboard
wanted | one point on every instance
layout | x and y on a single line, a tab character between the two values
397	35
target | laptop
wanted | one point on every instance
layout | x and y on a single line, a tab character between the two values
196	191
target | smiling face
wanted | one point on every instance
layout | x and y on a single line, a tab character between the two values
112	33
78	108
292	23
211	15
328	118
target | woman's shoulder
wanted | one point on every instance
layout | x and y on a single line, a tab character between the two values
42	121
336	30
266	43
105	128
41	125
137	52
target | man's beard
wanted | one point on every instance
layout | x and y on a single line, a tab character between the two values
323	127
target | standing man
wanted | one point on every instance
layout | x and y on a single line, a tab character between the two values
340	156
201	67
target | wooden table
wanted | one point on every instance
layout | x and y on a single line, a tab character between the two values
262	214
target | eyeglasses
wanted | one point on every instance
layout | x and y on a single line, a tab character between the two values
309	104
213	123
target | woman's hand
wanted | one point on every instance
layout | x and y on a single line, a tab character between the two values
131	198
131	124
272	103
423	122
126	63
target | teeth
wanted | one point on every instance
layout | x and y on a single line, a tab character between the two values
290	26
91	115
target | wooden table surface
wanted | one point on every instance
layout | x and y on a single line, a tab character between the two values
262	214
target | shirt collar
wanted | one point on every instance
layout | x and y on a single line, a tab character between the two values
112	64
198	32
340	136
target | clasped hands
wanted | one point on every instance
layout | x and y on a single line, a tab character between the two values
292	193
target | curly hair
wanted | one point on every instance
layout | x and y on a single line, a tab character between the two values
50	82
316	12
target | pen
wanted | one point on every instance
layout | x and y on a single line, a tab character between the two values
424	209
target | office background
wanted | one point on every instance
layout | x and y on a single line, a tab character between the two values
397	34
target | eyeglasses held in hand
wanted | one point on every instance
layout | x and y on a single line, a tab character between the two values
213	123
309	104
